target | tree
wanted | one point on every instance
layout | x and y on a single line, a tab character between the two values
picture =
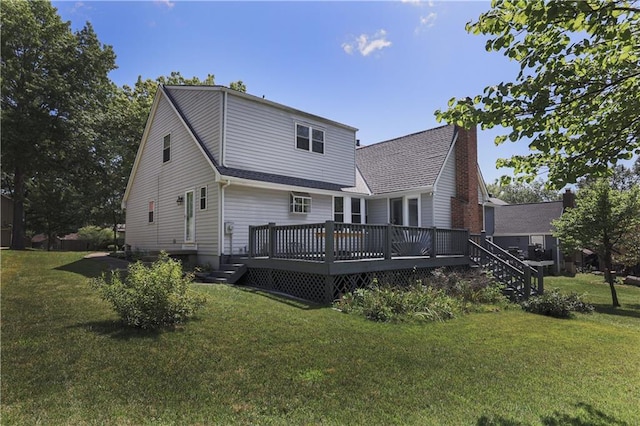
600	221
53	81
577	95
519	193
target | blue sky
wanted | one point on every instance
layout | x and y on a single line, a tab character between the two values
382	67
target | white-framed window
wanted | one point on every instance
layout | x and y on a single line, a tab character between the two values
166	149
338	209
309	138
356	210
300	202
189	217
152	211
536	240
412	204
203	198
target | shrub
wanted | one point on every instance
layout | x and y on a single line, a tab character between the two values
471	286
444	295
387	303
98	237
558	305
151	297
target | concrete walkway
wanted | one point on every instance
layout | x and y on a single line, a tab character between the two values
113	263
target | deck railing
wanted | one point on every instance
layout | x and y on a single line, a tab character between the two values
514	273
334	241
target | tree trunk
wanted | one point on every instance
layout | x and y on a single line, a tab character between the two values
18	231
115	232
608	266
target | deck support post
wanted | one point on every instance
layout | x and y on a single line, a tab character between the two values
252	236
388	247
272	240
540	280
527	281
328	288
329	242
434	242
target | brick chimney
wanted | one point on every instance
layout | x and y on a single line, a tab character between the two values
568	200
466	213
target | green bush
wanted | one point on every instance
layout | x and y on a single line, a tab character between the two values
98	237
558	305
151	297
444	295
472	287
386	303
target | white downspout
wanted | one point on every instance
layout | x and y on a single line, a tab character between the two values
223	143
221	217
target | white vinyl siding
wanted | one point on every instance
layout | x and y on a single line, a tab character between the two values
377	212
426	210
203	110
246	206
187	170
445	189
261	138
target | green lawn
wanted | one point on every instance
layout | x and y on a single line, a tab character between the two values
253	358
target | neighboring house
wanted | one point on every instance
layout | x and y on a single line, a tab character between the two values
74	242
41	241
7	220
524	227
213	161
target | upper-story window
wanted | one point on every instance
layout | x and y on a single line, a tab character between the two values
166	149
300	202
338	209
309	138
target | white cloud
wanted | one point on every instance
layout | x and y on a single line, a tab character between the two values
167	3
429	20
367	44
80	7
429	3
77	6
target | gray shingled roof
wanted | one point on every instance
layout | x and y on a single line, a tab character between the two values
279	179
533	218
412	161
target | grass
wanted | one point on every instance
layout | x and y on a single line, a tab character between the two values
253	358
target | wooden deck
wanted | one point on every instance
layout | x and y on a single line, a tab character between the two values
330	258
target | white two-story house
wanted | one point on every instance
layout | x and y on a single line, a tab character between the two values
213	161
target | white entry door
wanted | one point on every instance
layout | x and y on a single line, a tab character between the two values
189	217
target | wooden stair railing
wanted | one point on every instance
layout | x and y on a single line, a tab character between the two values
520	280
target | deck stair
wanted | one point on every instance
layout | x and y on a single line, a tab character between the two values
228	273
520	280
